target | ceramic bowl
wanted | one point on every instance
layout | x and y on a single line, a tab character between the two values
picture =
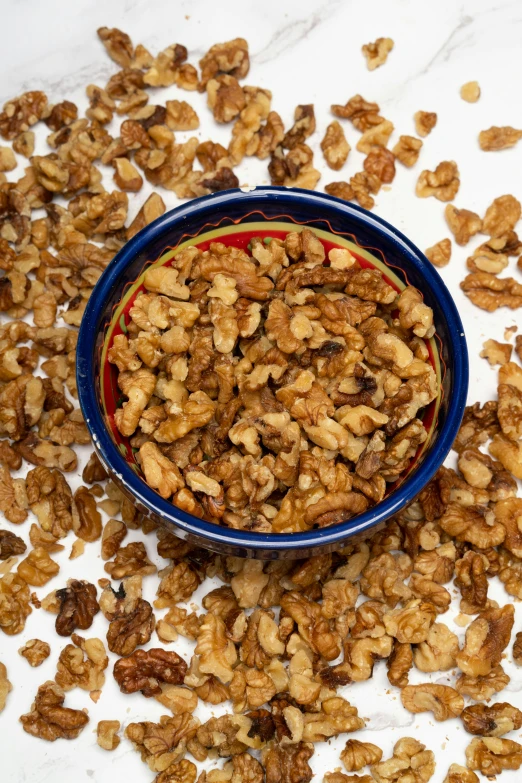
234	217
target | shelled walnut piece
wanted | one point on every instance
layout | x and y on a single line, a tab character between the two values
322	388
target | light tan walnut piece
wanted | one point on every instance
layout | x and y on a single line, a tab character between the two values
501	216
107	734
38	568
376	53
164	743
334	146
407	150
375	136
49	719
443	701
425	121
443	183
230	57
470	92
410	762
153	208
82	664
357	754
499	138
463	223
508	453
117	44
496	353
438	652
459	774
412	623
440	253
340	777
490	292
491	755
35	652
483	688
5	686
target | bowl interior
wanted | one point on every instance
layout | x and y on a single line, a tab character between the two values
240	235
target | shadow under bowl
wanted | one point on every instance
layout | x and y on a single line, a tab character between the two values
234	217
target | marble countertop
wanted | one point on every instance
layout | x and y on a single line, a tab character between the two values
304	51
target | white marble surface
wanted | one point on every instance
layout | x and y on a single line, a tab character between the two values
306	51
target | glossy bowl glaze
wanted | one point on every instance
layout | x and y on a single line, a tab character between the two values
234	217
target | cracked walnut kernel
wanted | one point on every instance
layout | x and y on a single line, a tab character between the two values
376	53
35	652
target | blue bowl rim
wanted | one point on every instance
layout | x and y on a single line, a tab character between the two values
214	534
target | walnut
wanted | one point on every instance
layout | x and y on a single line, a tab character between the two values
517	656
458	774
88	524
443	183
496	353
414	314
410	762
10	545
303	127
164	743
38	568
492	721
425	121
443	701
407	150
484	687
376	136
19	114
145	670
438	651
78	607
412	623
501	216
470	92
131	627
381	163
336	716
75	670
496	138
335	147
357	754
217	653
5	686
361	655
178	582
489	292
293	169
169	68
471	579
23	144
35	652
486	638
118	45
11	498
49	720
508	453
491	755
376	53
463	223
230	57
225	97
399	663
14	603
129	561
7	159
473	524
153	208
107	734
288	763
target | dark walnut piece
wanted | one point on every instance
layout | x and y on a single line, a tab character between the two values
129	631
78	606
144	670
10	545
49	719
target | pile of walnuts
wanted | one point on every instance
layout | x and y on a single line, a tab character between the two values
271	392
242	358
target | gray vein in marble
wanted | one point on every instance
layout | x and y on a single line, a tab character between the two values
295	31
57	89
444	52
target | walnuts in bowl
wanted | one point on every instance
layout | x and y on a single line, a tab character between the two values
274	391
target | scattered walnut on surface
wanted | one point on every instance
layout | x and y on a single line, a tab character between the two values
443	183
82	664
49	719
376	53
35	652
334	146
410	761
462	222
496	138
77	607
164	743
443	701
483	687
145	670
107	734
501	216
425	121
470	92
10	545
357	754
496	353
5	686
38	568
491	755
407	150
459	774
493	721
440	253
